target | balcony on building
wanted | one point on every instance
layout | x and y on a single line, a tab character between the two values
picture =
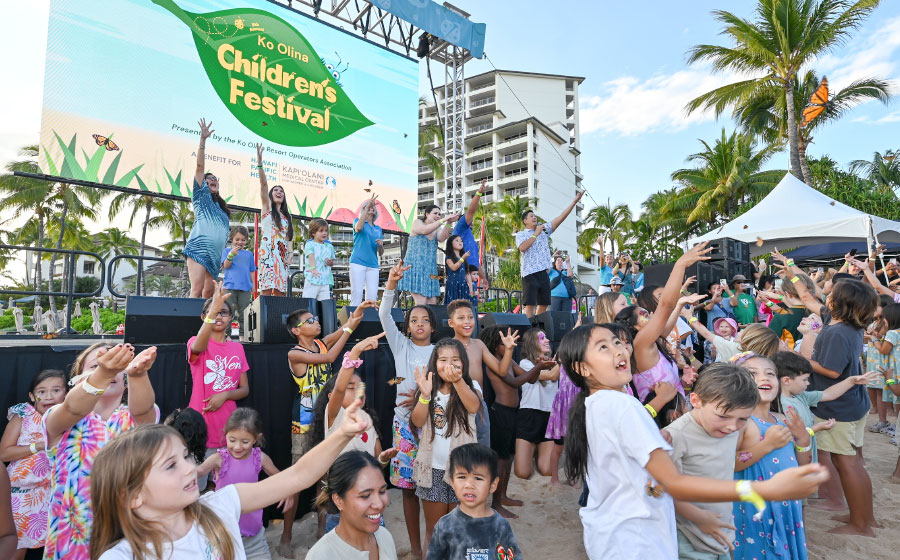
481	148
482	105
513	139
482	85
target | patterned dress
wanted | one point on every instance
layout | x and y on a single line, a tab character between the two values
456	286
30	481
273	254
209	234
421	255
71	460
562	402
779	533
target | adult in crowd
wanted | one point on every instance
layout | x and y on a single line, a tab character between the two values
607	262
534	244
276	249
421	254
562	287
625	270
209	234
743	305
368	246
463	228
716	306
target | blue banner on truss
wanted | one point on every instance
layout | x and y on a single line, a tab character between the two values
439	21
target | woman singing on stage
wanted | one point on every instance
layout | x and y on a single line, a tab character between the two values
203	250
276	249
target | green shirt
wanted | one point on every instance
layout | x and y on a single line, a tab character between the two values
790	321
745	310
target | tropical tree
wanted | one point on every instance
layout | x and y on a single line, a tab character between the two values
23	196
784	36
727	175
179	221
113	241
765	113
854	191
152	209
883	170
428	135
609	222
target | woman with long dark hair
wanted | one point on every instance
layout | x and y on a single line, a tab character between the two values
209	234
276	249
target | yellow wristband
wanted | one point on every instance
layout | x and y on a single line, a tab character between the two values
748	494
208	320
891	381
651	410
803	449
692	320
795	279
811	432
424	401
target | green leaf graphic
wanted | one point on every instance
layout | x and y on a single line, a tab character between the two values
270	77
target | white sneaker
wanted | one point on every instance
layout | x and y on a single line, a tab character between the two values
877	427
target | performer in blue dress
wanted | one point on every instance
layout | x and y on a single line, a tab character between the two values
421	255
209	234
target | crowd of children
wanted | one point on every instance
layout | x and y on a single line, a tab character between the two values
678	458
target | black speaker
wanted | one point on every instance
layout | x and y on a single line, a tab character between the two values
518	322
727	248
555	324
264	318
370	324
162	320
733	268
657	274
328	316
706	274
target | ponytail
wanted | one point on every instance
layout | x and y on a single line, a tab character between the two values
576	443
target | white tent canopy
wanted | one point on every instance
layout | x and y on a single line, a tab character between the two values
796	215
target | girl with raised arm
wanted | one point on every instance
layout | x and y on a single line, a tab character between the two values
209	234
276	249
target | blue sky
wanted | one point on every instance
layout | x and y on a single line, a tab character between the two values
633	129
634	132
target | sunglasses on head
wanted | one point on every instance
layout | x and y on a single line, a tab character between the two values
208	177
309	321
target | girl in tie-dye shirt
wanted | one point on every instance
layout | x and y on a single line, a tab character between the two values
76	430
22	447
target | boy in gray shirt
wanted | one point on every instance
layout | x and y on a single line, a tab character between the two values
473	531
704	443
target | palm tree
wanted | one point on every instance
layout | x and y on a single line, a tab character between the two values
610	222
784	36
113	241
428	135
728	175
765	113
28	197
883	170
137	204
179	220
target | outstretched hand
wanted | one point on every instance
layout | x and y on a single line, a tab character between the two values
111	362
259	153
509	339
370	343
141	363
205	130
699	252
356	421
424	381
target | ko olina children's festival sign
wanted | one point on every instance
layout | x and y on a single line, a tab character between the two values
127	81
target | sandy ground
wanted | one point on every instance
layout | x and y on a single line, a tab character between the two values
549	527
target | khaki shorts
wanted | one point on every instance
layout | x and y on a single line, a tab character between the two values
844	438
298	447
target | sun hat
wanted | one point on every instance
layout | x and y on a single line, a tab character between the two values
616	281
729	320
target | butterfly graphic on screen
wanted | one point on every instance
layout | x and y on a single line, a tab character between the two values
395	206
817	103
105	141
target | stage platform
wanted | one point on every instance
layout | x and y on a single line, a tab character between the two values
272	388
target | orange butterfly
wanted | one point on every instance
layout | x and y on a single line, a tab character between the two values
395	206
817	103
104	141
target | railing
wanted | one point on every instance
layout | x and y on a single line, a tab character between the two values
482	86
481	165
479	128
482	102
514	156
70	293
498	293
515	137
140	270
424	169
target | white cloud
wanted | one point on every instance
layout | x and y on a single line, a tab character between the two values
631	106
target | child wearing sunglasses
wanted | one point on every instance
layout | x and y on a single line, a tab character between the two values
310	362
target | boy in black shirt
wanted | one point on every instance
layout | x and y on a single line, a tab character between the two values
473	531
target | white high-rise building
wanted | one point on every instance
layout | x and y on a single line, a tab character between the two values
522	135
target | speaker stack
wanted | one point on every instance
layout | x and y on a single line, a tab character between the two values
731	257
161	320
264	318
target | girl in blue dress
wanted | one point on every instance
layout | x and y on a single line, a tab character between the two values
457	286
209	234
770	443
421	255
